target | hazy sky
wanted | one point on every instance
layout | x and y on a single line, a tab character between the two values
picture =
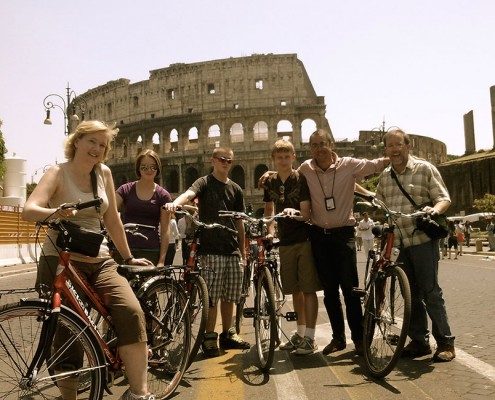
420	64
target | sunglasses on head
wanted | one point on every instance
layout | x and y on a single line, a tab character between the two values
224	160
145	167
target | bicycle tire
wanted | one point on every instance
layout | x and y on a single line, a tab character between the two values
20	329
386	321
198	305
265	324
239	309
169	334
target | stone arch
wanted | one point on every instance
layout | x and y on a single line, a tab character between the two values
191	175
238	176
172	181
156	142
236	133
213	134
258	171
174	141
260	131
284	129
308	126
192	136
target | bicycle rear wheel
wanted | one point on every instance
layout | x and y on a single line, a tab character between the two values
386	321
198	306
74	354
265	323
169	333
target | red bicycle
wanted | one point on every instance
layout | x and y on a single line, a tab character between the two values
54	342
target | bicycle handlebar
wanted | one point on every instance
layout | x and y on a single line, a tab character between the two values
380	204
80	205
241	215
202	224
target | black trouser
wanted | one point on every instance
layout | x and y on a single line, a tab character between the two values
335	257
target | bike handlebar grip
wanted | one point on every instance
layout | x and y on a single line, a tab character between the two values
91	203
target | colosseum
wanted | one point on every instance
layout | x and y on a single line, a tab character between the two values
184	111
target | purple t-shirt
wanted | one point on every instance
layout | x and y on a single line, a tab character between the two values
146	212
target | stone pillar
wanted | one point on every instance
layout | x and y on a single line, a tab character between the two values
492	100
469	132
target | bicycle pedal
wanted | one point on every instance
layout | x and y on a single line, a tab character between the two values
248	312
290	316
392	339
359	292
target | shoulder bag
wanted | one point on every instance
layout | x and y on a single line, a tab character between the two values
436	226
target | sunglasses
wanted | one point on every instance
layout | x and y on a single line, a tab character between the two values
224	160
148	167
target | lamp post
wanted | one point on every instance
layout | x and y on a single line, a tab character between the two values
70	105
44	168
378	133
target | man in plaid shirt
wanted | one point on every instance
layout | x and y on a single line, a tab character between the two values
419	253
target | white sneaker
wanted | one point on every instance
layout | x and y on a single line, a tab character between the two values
293	343
307	346
128	395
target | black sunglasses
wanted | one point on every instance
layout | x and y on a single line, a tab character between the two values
224	160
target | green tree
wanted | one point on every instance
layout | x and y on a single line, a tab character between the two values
486	204
3	151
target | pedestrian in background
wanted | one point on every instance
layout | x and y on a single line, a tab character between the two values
459	231
418	253
367	237
490	228
452	241
173	241
359	237
141	202
467	233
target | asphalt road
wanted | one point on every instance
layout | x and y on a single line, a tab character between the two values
468	290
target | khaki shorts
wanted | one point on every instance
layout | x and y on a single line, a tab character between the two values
297	269
112	288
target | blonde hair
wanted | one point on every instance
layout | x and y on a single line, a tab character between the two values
283	145
87	127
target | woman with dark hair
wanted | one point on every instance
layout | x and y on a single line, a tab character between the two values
141	202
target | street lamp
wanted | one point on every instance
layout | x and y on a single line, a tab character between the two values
378	133
44	168
71	102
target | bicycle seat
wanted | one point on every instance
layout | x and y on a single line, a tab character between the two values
131	270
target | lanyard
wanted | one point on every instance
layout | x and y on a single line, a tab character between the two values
333	183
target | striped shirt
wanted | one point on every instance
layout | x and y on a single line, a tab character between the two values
422	181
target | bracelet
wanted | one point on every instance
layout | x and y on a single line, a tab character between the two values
128	259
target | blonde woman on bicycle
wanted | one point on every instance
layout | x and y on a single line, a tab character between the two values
85	150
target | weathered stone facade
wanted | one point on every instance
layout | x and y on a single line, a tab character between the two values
186	110
469	178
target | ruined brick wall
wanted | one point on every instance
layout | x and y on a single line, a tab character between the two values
467	179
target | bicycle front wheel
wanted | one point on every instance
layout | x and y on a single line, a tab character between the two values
386	321
169	333
74	354
198	310
265	323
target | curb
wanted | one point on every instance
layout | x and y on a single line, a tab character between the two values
10	271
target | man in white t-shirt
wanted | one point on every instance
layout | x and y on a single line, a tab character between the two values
364	227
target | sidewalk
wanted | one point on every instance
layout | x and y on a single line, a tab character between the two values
17	269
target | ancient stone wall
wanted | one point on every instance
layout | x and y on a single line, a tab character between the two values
184	111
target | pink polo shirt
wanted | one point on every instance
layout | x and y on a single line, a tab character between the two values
337	182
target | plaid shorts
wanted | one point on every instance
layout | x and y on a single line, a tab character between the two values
226	280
